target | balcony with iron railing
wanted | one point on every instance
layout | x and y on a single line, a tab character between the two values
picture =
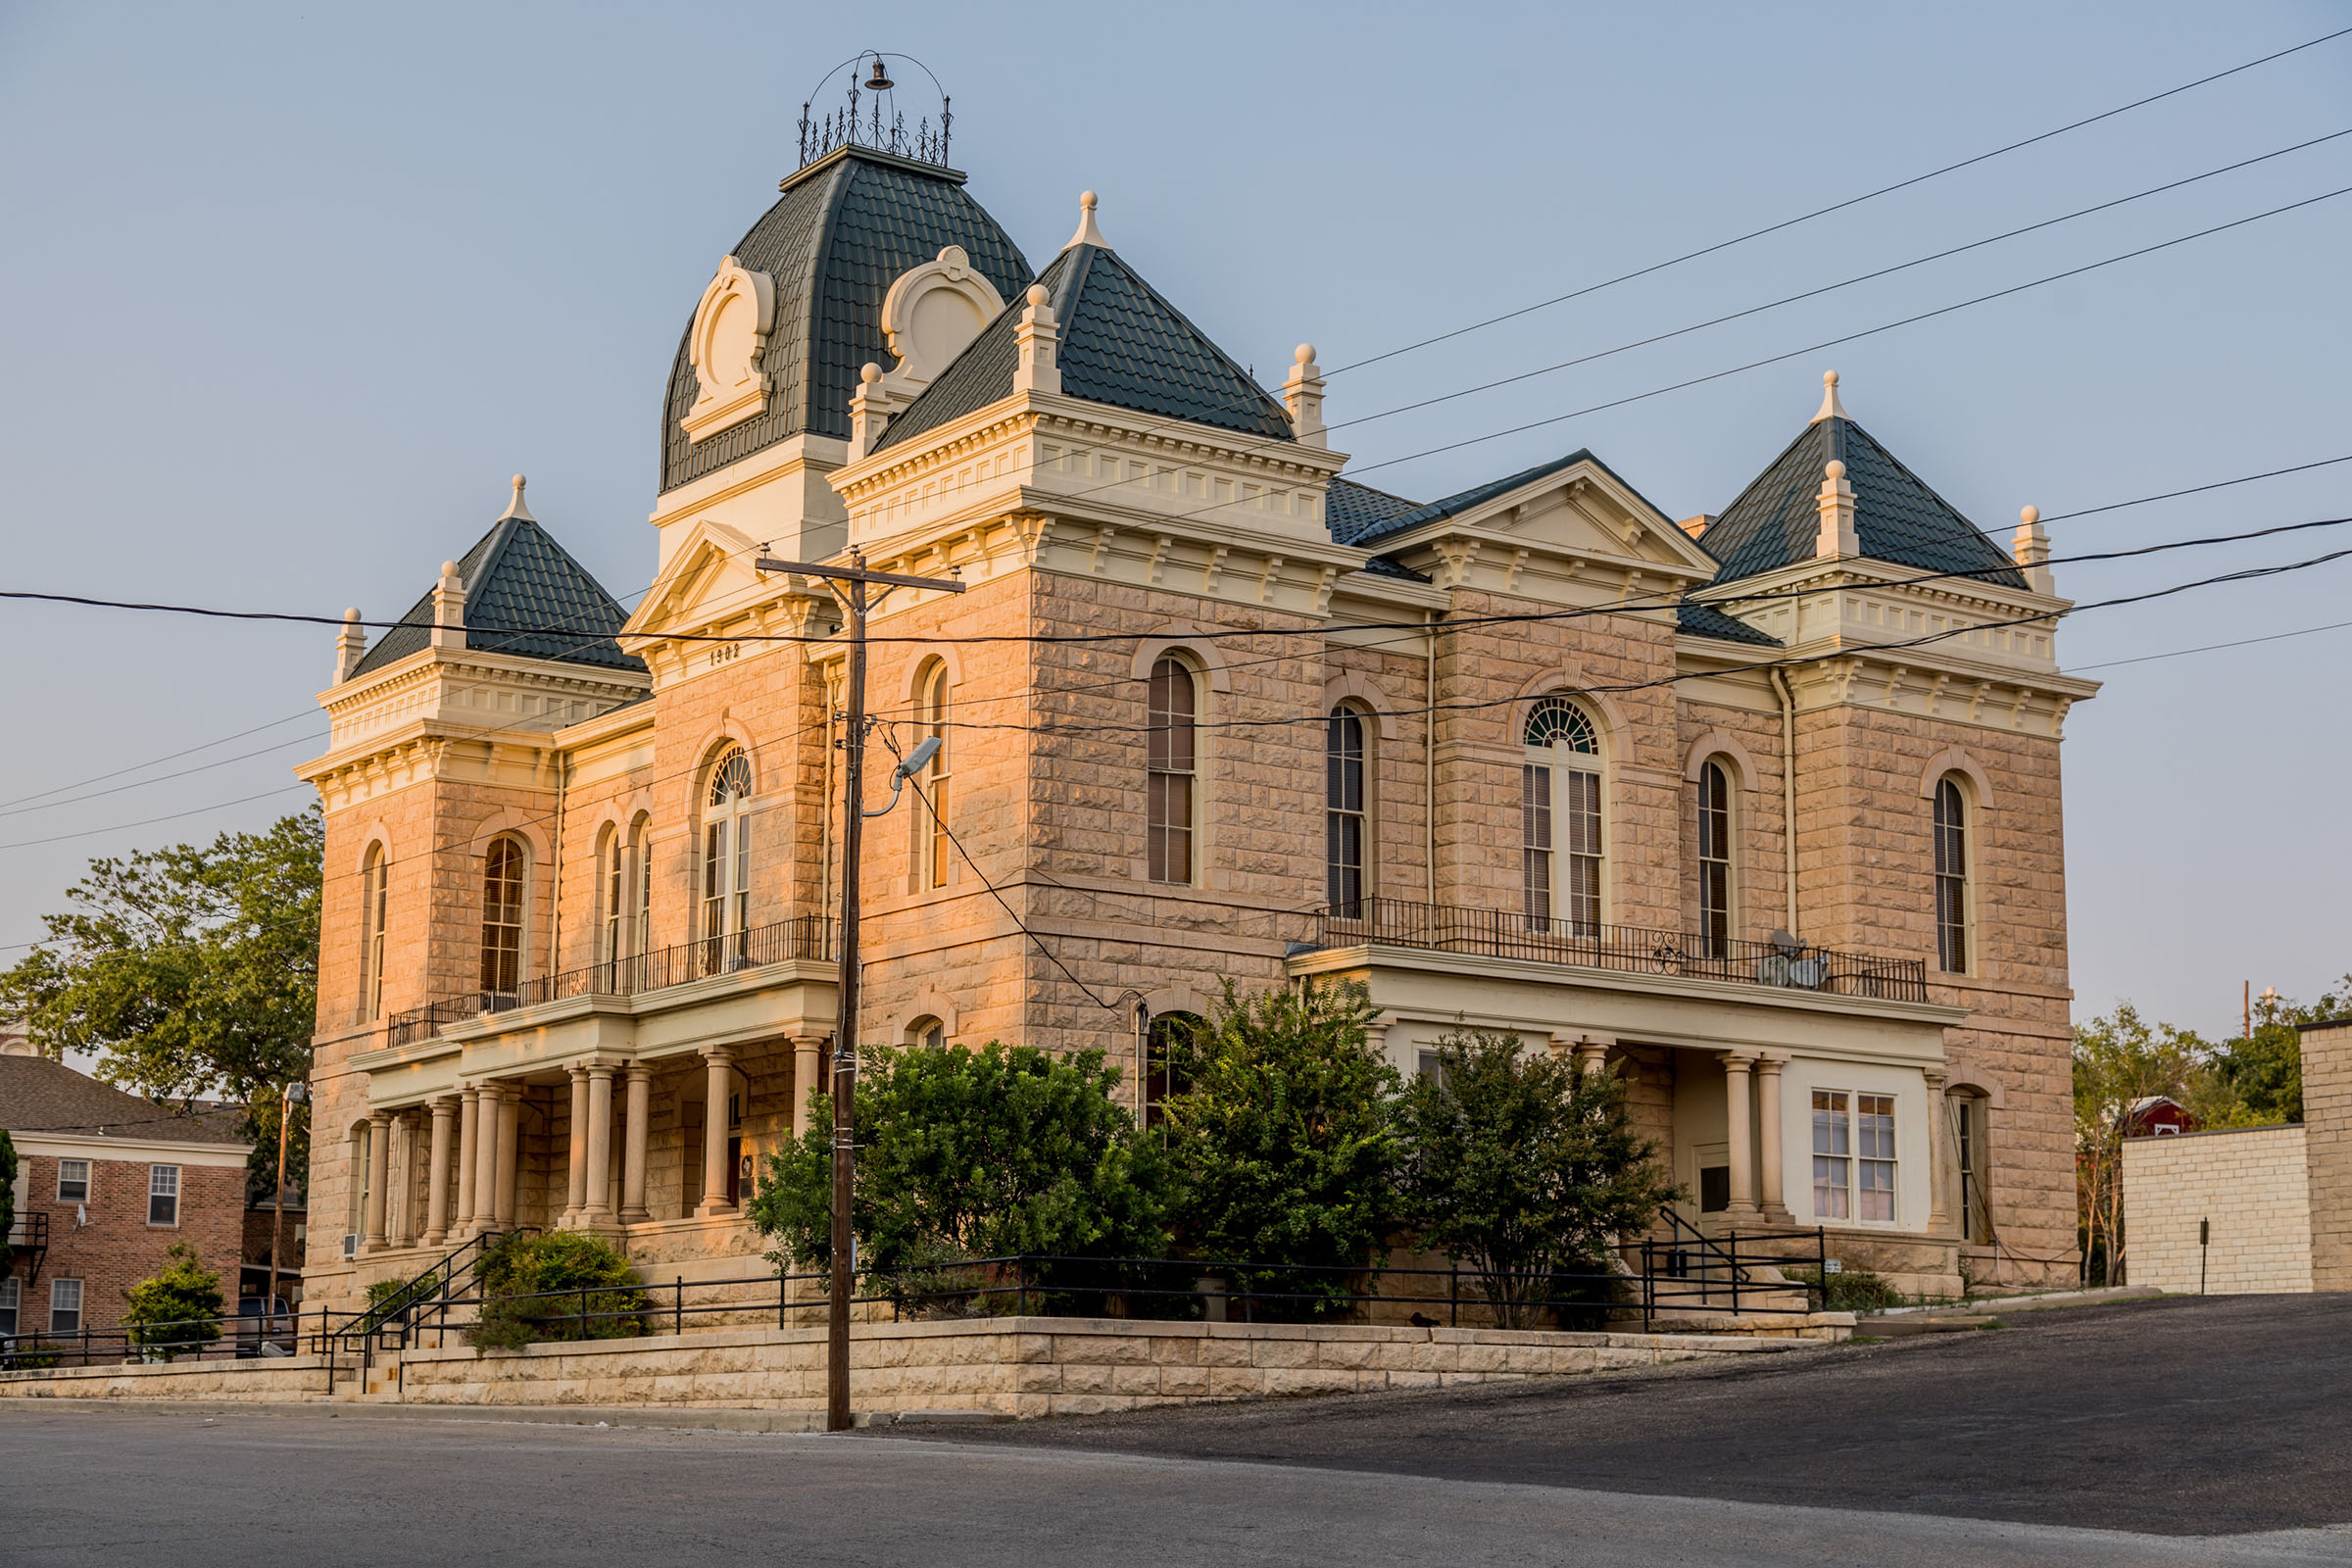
805	937
1783	964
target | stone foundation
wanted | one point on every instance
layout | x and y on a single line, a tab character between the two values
1007	1366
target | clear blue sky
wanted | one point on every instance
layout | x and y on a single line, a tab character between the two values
285	294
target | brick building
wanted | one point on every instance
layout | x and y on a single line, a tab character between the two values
1760	811
106	1184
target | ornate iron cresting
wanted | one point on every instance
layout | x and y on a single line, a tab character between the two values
866	119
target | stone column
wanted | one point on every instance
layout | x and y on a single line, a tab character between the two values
510	1152
379	1174
807	1056
1769	1155
487	1099
715	1136
436	1177
639	1106
599	1208
1739	1140
470	1158
1942	1163
1593	1052
576	1203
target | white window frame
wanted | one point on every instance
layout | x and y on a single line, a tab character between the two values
65	1197
935	852
1563	784
375	876
11	1306
1962	880
727	851
1347	808
57	1288
520	925
162	1182
1722	836
1853	1146
1171	769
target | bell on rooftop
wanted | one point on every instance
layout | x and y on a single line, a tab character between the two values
880	80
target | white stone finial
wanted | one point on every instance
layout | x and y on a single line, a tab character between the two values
870	373
1302	396
449	574
1088	233
1834	470
449	610
2030	547
1037	362
516	507
1036	295
1831	407
871	408
1834	506
351	644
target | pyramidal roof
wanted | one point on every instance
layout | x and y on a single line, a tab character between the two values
1777	519
525	596
1122	343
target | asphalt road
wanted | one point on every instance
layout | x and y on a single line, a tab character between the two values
2202	1433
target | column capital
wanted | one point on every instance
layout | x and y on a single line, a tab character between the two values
601	1069
638	1072
1737	1060
1770	1062
716	1054
382	1115
1935	1077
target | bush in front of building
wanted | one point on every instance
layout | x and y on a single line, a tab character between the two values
555	1284
1281	1131
1526	1169
175	1311
998	1152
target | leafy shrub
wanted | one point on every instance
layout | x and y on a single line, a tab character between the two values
1527	1169
177	1312
587	1274
1853	1290
1281	1134
996	1152
390	1296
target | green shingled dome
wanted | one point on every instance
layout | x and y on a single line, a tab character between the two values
525	596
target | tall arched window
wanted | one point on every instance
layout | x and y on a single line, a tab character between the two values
727	853
1951	878
1344	817
641	869
1714	842
505	869
613	895
374	877
937	850
1162	1077
1171	760
1559	817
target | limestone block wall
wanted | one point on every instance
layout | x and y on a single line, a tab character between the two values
2251	1183
2327	1144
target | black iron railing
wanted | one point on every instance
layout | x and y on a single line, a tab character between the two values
806	936
1509	934
1741	1274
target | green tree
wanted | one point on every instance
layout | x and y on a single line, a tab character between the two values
1525	1168
188	971
177	1312
2119	1060
7	1198
990	1154
1280	1123
553	1285
2257	1080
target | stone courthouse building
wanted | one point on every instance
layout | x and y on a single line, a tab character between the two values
1760	809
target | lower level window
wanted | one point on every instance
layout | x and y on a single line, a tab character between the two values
10	1292
1853	1156
163	1194
65	1307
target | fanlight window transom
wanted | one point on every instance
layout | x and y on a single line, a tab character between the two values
731	780
1556	722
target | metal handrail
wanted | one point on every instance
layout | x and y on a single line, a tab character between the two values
1637	950
809	936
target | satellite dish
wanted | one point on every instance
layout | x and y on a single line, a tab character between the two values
1787	943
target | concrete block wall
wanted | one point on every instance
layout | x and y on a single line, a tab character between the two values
2328	1147
2252	1184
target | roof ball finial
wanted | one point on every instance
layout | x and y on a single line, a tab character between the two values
1088	233
1304	353
1834	470
1036	295
2029	515
353	614
515	507
1831	407
870	373
449	569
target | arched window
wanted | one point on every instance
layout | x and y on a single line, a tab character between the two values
936	849
1559	819
726	856
1951	878
1975	1165
505	871
1163	1078
1169	823
1714	842
641	867
613	895
375	876
927	1031
1344	817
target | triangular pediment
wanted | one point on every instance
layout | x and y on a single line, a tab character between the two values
1573	506
711	574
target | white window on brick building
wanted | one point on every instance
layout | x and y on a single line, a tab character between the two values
12	1293
611	896
163	1194
1853	1157
374	878
1968	1130
726	858
505	871
928	1032
934	850
1171	759
1560	821
72	1181
1951	878
1344	817
1714	843
65	1307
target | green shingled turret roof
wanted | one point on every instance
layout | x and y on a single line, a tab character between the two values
525	596
1122	343
844	230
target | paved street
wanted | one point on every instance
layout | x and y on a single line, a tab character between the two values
2075	1436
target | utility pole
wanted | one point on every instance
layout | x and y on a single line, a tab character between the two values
849	585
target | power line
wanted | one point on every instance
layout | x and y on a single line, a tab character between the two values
2208	648
1839	207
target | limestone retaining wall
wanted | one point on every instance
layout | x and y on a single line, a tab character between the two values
1009	1367
2251	1183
